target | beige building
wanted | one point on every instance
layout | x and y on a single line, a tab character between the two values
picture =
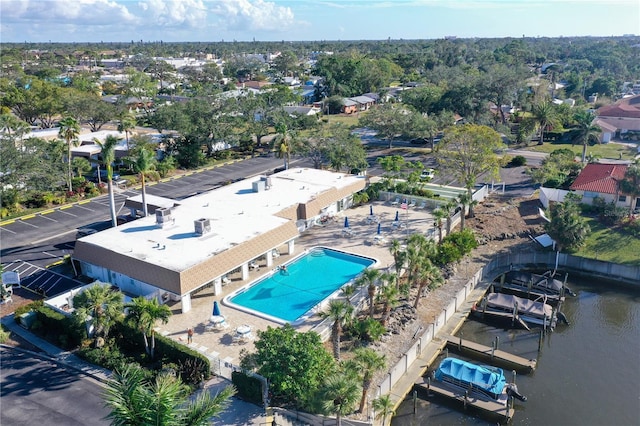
201	239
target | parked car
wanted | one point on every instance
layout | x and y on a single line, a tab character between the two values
419	141
103	176
83	232
428	174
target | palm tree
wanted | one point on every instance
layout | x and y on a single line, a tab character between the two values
144	314
399	257
164	401
449	209
465	199
585	131
145	162
630	185
339	312
429	276
340	393
369	362
283	144
126	124
389	295
383	406
102	305
543	114
108	148
69	131
369	277
439	215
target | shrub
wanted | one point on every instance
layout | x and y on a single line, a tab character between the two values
33	306
517	161
108	356
4	335
249	387
368	329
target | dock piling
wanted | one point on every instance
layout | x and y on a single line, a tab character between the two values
497	341
415	402
513	376
540	341
460	344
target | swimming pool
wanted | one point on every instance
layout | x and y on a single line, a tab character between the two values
285	297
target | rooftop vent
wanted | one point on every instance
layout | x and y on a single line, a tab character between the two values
267	181
163	217
202	226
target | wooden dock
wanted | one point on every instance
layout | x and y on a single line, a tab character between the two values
500	410
492	356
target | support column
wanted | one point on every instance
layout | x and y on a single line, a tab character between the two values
269	258
245	271
186	302
291	247
217	286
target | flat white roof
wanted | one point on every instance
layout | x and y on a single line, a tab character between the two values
236	213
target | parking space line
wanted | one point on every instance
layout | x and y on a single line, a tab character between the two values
22	220
48	218
70	214
9	230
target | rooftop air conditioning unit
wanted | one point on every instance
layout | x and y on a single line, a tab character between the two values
163	216
267	181
259	186
202	226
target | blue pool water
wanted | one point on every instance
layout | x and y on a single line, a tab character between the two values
308	280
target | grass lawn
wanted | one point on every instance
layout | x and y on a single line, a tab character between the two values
348	120
611	245
607	150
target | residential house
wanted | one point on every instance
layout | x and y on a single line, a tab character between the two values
301	110
603	180
363	102
349	106
620	120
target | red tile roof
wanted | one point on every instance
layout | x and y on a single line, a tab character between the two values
626	108
599	177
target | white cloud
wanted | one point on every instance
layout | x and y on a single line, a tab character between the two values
174	13
253	15
65	12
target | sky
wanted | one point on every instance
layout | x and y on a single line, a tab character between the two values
292	20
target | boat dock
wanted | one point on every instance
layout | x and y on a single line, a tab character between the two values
491	355
492	408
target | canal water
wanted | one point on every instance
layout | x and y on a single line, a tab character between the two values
588	372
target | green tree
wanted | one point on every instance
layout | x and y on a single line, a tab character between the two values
399	258
283	143
390	121
630	185
369	363
338	311
388	295
558	170
145	162
383	406
294	363
567	227
165	401
438	216
108	154
429	276
69	131
543	114
369	278
339	394
126	123
469	151
102	306
144	314
584	132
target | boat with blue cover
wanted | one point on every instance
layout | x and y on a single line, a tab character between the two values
485	380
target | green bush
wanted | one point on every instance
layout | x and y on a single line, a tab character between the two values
517	161
33	306
367	330
248	387
107	356
455	246
58	328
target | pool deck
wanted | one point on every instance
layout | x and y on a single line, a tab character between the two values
220	343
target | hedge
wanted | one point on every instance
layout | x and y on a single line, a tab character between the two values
249	388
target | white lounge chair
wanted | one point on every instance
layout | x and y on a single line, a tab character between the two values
422	205
396	202
412	203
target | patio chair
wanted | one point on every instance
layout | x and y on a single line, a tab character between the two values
396	202
412	203
422	205
226	280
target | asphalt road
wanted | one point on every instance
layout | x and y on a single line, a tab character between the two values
39	392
